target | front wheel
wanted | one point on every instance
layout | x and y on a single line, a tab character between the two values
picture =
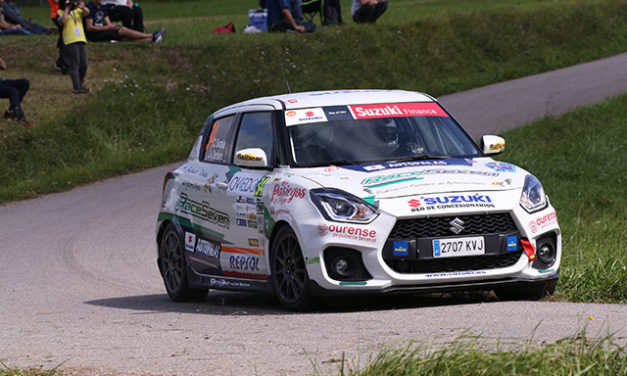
173	267
289	274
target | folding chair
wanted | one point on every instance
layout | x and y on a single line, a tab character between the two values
311	8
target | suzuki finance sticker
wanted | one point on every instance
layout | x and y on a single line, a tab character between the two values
375	111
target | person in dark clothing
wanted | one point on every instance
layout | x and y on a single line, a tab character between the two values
129	14
368	11
99	28
7	28
281	17
15	90
12	14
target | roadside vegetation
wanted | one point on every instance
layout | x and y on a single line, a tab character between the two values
580	159
149	101
571	356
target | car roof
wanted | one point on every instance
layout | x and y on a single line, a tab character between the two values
312	99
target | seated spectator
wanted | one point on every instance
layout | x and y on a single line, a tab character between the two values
129	14
281	18
7	28
99	28
12	14
368	11
15	90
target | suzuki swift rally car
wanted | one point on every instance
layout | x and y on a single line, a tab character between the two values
359	192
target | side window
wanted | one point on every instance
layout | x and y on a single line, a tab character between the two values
256	132
218	140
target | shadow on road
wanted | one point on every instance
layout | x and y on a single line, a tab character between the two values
245	304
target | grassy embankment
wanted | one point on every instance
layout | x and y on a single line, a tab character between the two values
151	99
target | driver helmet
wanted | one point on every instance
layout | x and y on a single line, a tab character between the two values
387	131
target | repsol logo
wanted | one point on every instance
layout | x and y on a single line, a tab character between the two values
244	263
201	210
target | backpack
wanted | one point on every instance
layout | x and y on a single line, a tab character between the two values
229	28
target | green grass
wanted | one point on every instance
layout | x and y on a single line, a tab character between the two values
580	159
571	356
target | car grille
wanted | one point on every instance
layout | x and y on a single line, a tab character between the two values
436	227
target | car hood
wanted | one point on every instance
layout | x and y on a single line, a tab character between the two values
400	179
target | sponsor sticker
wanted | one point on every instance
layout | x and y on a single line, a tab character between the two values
450	202
284	193
512	243
348	232
309	115
338	113
190	241
501	166
202	210
542	222
400	248
375	111
208	248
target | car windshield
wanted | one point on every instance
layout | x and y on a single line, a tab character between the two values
375	133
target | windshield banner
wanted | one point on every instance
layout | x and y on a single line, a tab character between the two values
374	111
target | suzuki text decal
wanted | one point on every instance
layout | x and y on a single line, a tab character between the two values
374	111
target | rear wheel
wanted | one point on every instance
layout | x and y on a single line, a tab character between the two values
535	292
173	267
289	275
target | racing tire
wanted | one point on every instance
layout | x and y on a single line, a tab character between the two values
290	281
173	267
535	292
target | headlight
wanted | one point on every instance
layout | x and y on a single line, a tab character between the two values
533	197
340	206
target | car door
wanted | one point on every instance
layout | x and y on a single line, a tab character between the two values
246	257
212	223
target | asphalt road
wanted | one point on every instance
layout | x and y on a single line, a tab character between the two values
79	285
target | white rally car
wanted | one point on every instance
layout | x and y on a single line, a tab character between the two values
359	192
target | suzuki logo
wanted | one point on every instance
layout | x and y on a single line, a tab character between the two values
457	225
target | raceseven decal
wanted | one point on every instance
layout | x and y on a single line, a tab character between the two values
201	210
375	111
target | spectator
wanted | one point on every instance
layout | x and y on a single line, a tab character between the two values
368	11
12	14
15	90
281	18
130	14
54	17
75	48
7	28
99	28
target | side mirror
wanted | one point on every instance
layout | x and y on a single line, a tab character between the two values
253	157
492	144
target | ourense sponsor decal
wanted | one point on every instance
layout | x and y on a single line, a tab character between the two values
348	232
543	222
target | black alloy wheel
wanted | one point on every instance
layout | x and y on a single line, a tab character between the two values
289	274
173	267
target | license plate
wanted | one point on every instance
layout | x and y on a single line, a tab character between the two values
458	247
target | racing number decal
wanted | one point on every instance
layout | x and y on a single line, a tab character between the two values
260	185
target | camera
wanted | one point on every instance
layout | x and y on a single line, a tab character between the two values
73	4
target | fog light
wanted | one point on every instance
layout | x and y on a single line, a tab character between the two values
546	253
343	267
